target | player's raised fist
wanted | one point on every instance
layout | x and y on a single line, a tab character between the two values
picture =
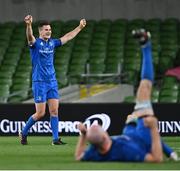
81	128
28	19
82	23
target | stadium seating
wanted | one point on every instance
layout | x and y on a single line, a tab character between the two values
104	46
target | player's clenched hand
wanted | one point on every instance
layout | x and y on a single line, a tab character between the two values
82	23
82	128
28	19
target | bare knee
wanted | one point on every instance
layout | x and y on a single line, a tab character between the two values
53	111
146	84
144	90
53	106
39	114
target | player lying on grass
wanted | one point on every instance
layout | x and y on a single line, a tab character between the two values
44	83
140	140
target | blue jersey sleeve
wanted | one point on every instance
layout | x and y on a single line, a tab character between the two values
33	45
57	42
90	154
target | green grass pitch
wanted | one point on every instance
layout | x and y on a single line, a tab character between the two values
40	154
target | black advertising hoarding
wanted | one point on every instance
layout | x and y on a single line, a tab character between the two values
110	116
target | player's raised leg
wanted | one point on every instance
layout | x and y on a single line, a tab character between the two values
40	112
143	106
143	97
147	74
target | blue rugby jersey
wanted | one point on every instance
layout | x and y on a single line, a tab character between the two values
42	57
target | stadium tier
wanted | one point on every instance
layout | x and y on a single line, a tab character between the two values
105	45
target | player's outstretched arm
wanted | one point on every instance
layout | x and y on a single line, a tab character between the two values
73	33
81	145
29	32
156	154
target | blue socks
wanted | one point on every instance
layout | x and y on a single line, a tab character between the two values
166	149
29	124
54	121
147	71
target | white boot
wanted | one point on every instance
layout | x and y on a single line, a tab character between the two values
174	156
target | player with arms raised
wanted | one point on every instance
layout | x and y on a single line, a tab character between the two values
44	83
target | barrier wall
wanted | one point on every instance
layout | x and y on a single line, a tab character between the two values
110	116
15	10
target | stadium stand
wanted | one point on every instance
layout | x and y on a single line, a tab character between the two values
104	46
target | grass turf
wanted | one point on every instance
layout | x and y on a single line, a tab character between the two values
40	154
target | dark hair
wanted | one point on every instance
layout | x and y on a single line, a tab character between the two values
43	23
